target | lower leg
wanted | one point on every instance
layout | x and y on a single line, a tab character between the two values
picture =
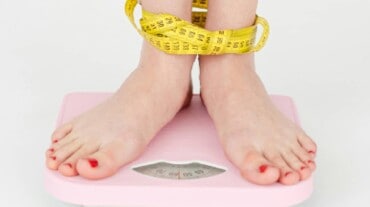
265	145
98	142
151	56
230	14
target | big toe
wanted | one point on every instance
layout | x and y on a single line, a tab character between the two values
258	170
108	159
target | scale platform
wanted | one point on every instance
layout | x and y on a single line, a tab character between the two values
183	166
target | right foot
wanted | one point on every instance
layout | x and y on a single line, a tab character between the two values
100	141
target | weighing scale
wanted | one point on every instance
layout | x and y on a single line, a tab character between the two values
183	166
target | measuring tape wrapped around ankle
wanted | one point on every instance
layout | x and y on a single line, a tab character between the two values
174	35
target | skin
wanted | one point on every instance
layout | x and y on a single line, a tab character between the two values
100	141
265	145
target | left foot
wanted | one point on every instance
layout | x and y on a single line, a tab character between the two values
265	145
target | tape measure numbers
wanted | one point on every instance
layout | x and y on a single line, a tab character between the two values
174	35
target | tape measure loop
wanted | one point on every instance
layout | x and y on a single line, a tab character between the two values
266	31
174	35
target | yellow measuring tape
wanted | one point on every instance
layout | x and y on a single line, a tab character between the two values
176	36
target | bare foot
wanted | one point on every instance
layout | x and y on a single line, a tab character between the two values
97	143
265	145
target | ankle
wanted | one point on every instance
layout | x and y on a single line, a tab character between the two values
219	70
226	59
153	58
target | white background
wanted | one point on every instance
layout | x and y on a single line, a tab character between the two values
318	53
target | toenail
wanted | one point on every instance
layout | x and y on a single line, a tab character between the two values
311	152
310	161
53	157
303	167
93	163
263	168
55	141
51	150
68	164
288	173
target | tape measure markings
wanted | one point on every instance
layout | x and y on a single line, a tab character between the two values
173	35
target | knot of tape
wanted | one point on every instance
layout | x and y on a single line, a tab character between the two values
174	35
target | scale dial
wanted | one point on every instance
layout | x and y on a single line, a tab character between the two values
179	171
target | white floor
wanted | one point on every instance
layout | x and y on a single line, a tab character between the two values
318	53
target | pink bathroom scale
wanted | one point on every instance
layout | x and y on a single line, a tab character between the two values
184	166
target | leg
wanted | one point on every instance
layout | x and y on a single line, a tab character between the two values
265	145
97	143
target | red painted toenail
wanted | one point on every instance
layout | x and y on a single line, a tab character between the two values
51	150
53	157
263	168
303	167
55	141
311	152
69	165
288	173
310	161
93	163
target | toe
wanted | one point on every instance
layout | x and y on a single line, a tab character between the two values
55	157
296	164
96	166
308	144
311	164
257	169
304	157
52	158
61	132
51	162
58	144
68	167
49	152
288	176
66	151
108	159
